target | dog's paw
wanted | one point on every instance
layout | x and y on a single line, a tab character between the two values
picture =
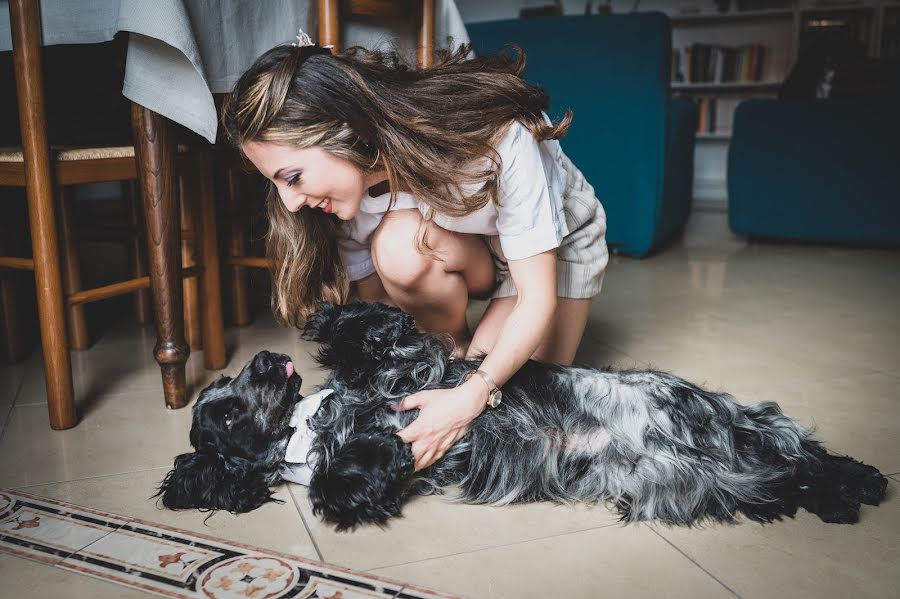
364	482
873	488
320	323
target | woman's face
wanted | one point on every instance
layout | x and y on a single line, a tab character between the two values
312	177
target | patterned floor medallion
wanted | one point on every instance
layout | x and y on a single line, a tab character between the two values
171	562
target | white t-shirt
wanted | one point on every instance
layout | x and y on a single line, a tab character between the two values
529	219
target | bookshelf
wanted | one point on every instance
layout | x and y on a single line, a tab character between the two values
780	33
719	59
728	86
731	17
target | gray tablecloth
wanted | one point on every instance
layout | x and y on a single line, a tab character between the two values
180	52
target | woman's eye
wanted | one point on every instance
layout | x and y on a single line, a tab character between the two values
293	180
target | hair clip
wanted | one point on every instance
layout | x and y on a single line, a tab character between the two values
303	39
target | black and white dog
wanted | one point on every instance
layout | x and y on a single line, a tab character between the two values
652	445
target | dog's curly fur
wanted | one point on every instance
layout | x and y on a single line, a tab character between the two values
651	444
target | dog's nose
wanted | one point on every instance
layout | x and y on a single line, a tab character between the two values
263	362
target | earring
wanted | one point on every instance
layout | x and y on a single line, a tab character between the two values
377	156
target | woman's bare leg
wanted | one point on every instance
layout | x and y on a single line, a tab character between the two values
370	289
435	288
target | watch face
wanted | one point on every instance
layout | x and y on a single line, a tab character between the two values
495	399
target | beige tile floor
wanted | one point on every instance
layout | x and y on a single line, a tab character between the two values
814	328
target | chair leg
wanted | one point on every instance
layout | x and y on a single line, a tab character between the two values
13	347
26	43
329	24
237	247
155	154
187	191
79	336
137	253
14	344
213	329
425	34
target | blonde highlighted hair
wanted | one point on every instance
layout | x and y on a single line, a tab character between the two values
432	131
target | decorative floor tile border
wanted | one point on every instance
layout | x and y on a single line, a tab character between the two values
171	562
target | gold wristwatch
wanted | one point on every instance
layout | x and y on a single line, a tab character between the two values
495	395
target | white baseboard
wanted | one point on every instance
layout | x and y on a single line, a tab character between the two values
710	189
704	205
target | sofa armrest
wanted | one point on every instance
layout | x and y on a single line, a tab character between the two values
678	185
817	170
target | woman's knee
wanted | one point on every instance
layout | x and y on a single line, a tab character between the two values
396	249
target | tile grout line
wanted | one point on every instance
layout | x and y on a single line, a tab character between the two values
12	406
491	547
306	526
21	384
6	420
693	561
94	396
84	478
94	542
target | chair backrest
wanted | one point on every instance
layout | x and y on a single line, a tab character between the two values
613	71
421	12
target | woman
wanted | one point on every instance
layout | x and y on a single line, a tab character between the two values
424	188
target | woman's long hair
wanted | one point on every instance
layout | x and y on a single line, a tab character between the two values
432	131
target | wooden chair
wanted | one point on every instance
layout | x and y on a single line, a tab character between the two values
330	14
45	175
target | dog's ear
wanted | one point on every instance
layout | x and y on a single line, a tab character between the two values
218	383
319	325
365	481
205	481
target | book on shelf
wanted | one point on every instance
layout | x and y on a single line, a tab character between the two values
714	63
716	114
822	28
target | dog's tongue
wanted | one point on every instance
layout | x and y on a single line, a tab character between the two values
289	368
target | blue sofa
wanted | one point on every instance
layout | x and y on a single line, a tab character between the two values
816	170
633	143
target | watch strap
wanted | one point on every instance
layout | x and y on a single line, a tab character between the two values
492	386
494	393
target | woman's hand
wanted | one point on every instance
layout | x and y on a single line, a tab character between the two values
444	417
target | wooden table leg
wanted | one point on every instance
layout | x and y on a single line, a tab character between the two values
26	42
155	153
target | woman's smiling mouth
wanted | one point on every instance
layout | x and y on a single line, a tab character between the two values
325	205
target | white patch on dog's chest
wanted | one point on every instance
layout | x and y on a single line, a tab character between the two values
295	467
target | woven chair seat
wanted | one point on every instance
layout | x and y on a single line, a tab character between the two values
68	154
